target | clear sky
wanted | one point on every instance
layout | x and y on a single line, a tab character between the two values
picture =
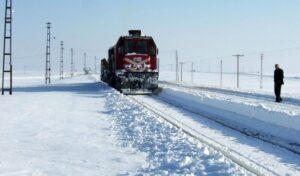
203	31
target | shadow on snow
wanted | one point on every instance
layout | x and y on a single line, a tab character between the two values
80	88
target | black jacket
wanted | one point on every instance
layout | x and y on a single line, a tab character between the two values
278	76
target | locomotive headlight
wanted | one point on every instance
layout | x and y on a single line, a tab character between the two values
130	77
119	73
143	77
124	80
153	79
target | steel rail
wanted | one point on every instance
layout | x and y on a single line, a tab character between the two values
288	145
248	165
288	100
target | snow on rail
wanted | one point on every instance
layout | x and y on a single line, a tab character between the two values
238	158
169	150
265	117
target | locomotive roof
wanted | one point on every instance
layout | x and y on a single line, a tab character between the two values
133	37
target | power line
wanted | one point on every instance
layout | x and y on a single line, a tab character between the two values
247	53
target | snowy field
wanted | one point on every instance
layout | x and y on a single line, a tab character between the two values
248	83
80	126
256	105
60	130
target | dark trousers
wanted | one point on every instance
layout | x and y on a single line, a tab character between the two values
277	89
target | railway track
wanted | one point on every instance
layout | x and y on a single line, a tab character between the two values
247	163
288	145
287	100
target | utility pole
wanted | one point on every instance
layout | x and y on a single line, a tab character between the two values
84	65
238	69
221	73
176	63
261	70
72	62
192	72
61	60
95	64
7	48
99	67
48	66
181	63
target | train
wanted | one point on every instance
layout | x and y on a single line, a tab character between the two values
132	66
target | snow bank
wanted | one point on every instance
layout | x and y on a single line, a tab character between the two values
169	150
283	124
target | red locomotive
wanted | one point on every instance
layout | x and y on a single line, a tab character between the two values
132	65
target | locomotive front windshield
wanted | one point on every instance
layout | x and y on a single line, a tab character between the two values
136	47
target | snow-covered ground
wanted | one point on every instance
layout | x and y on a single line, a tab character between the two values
249	109
254	108
61	129
247	82
80	126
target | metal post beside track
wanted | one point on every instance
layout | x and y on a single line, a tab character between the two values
7	48
238	69
48	66
61	60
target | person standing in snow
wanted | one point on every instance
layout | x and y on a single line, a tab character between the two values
278	82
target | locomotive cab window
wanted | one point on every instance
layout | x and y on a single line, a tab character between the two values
142	47
129	47
136	47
